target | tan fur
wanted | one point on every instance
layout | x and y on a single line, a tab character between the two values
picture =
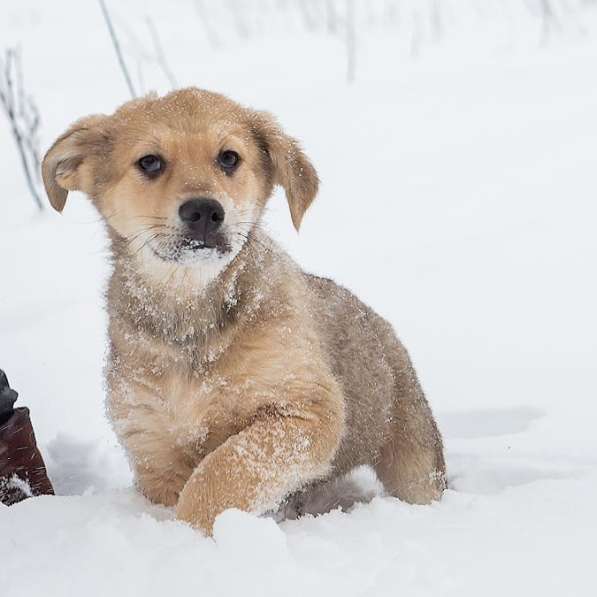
236	381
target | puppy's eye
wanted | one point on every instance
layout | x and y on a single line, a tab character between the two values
151	165
228	160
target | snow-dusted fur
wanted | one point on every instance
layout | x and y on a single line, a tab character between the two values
234	379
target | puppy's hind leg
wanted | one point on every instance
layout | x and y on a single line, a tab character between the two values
411	461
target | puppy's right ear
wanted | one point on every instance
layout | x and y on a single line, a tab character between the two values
66	166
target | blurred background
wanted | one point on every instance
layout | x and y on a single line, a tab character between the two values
455	140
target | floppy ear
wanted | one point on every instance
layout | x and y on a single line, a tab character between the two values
290	167
65	166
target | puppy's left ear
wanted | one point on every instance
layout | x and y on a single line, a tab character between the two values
290	167
66	166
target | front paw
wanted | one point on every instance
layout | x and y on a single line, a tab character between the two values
216	485
196	508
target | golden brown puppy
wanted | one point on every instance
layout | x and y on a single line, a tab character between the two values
234	379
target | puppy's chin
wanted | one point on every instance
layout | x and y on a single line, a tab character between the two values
191	254
189	267
186	250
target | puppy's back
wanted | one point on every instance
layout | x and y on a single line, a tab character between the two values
356	342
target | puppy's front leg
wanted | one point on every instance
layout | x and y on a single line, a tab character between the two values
255	469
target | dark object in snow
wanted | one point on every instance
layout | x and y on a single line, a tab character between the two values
22	469
8	397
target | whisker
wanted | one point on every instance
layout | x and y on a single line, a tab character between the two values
136	235
249	238
150	239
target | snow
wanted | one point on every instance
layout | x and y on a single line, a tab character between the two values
458	199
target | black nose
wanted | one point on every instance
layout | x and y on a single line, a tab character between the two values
202	216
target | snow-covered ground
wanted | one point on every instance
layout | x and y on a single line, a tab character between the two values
475	164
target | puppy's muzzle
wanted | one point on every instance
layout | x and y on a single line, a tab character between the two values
202	218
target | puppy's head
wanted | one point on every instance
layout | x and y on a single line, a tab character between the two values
181	179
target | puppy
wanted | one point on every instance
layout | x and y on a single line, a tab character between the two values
234	380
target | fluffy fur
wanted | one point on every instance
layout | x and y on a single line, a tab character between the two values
234	379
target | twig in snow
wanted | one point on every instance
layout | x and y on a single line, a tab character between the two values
24	119
331	17
548	18
116	45
351	41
